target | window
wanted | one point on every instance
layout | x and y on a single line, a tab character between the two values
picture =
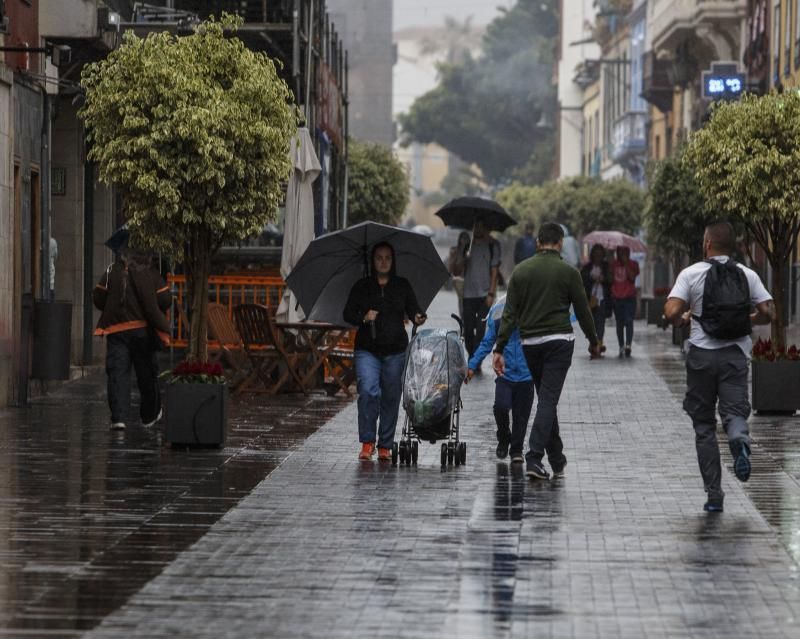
797	35
787	52
657	148
776	42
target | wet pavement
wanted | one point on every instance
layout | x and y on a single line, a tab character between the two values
285	533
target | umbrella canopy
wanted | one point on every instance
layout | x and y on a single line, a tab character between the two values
463	211
298	228
326	272
119	238
613	239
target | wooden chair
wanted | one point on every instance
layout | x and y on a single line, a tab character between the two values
341	366
266	349
231	347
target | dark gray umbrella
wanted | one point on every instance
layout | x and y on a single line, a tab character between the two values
463	211
332	263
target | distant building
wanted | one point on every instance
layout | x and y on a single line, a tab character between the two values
366	28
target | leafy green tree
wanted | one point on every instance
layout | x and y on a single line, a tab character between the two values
484	110
746	160
377	186
584	204
675	214
195	133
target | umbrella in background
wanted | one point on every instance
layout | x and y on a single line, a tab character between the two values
326	272
119	238
613	239
463	211
298	230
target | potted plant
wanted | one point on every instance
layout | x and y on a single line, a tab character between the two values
746	161
771	367
194	132
196	404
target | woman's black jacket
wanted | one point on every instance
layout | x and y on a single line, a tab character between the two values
394	302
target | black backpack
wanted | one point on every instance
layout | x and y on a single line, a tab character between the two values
726	302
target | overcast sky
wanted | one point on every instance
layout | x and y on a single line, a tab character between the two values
431	13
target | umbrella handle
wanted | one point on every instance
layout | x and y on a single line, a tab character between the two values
460	323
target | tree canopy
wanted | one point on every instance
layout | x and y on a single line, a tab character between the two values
378	185
584	204
194	132
746	160
484	110
675	214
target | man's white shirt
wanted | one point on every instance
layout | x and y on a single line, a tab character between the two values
689	287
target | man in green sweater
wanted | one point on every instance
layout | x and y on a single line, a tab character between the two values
539	296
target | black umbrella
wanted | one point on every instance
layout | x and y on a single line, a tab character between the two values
332	263
463	211
119	239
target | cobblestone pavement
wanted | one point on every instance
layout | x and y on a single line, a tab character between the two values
329	546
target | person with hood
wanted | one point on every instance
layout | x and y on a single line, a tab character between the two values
513	390
596	276
132	298
378	304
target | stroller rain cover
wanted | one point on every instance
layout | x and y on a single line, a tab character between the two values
435	370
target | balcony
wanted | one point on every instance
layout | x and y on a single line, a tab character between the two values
630	137
717	22
657	85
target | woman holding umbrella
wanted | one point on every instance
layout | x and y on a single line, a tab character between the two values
378	304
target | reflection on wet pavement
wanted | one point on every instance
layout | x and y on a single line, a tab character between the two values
88	516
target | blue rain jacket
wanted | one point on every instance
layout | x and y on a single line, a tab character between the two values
516	366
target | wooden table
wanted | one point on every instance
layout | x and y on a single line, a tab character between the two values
316	340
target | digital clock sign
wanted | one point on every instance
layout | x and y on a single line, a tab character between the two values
723	82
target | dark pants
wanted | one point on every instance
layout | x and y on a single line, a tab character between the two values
712	376
475	310
548	364
516	397
599	316
123	350
624	311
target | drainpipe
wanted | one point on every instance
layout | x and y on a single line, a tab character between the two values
44	235
88	259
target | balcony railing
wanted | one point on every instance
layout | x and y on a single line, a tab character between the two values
629	135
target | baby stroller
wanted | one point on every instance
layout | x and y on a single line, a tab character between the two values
434	372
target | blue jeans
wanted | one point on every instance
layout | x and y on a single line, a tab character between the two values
624	311
380	387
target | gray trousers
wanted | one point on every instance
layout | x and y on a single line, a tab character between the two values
711	376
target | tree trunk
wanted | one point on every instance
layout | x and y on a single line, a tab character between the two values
197	284
779	297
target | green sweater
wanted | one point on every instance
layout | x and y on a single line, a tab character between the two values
539	295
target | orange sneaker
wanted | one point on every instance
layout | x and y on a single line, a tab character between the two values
384	454
367	450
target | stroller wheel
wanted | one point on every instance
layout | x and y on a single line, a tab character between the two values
401	450
462	453
394	454
444	455
451	450
414	452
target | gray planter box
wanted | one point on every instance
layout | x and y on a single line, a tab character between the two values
655	309
776	386
196	414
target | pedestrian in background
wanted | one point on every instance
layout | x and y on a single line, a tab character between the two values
480	283
570	250
132	298
720	345
525	246
596	276
624	272
378	304
455	264
538	300
513	389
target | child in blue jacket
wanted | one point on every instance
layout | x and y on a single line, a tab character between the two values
513	391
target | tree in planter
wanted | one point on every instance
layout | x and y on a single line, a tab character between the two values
747	162
675	213
195	133
377	188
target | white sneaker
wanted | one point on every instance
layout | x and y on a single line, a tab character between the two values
155	421
118	426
